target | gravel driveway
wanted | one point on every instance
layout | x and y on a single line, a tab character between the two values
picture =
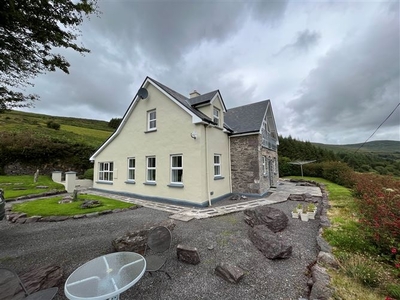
71	243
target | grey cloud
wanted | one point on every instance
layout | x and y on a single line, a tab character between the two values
304	40
165	30
355	85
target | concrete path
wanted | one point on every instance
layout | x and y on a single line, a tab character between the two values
182	213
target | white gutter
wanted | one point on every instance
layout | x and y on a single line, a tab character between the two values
230	164
207	168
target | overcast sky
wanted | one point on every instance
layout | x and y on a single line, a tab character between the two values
330	68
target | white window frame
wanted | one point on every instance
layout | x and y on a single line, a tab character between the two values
216	115
217	165
264	165
176	169
151	120
148	168
106	171
131	168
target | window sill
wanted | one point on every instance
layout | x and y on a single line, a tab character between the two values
151	130
218	177
104	182
130	182
149	183
176	185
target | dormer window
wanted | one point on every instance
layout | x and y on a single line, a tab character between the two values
216	115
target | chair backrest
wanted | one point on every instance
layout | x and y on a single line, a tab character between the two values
10	284
159	239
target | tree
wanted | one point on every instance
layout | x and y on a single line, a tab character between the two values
30	33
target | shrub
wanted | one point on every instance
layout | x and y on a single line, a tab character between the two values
88	174
53	125
378	201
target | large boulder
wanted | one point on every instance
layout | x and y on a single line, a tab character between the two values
229	272
275	219
135	241
188	254
269	243
42	278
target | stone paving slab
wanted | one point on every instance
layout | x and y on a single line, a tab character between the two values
279	194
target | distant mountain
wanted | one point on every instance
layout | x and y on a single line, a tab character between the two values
378	147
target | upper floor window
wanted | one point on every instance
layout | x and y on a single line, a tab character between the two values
217	165
151	168
106	171
216	115
131	168
151	120
176	169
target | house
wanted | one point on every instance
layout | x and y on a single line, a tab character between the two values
190	151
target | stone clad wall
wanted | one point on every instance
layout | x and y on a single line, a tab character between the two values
247	165
245	168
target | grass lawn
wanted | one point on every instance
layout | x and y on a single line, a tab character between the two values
51	207
362	274
16	186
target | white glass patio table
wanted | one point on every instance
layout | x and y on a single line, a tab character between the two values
105	277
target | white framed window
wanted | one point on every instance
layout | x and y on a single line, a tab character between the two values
106	171
151	120
151	168
217	164
264	165
176	169
131	168
216	115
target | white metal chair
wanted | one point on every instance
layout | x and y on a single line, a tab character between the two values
158	242
11	284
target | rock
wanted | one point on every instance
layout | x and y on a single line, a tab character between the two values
295	197
273	218
320	289
90	203
92	215
135	241
188	254
42	278
229	272
327	259
14	217
54	219
323	245
105	212
235	197
324	221
43	187
269	243
79	216
33	219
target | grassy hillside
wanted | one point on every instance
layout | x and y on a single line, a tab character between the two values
26	139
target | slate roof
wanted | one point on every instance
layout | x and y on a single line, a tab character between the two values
205	98
247	118
183	100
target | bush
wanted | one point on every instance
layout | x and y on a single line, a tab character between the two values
378	200
334	171
89	174
53	125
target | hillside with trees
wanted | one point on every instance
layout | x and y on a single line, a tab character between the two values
381	157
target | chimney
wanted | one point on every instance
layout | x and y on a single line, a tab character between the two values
194	94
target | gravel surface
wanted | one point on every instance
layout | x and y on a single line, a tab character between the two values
71	243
